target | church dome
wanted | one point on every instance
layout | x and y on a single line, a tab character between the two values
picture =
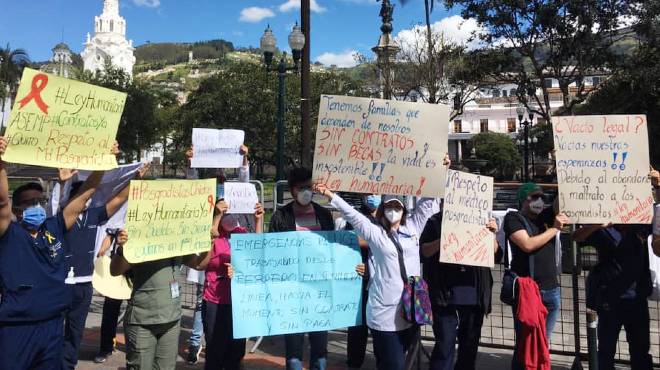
61	47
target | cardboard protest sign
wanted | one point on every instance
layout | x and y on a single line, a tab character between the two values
295	282
57	122
602	169
168	218
217	148
468	205
241	197
379	146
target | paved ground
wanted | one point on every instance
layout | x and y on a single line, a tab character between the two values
270	353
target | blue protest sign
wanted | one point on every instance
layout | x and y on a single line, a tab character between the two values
294	282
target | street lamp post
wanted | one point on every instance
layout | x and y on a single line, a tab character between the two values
269	46
525	125
387	49
535	141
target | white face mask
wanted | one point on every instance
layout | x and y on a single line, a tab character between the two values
393	216
536	206
229	223
304	197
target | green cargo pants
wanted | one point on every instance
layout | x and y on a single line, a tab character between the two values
151	347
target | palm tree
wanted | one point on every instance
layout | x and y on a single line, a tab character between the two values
12	63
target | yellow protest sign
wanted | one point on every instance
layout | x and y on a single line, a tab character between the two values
58	122
168	218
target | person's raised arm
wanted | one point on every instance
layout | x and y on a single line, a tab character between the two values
5	204
583	233
77	204
259	218
119	265
361	224
529	244
244	170
116	202
197	261
426	207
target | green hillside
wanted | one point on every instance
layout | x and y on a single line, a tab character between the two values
162	54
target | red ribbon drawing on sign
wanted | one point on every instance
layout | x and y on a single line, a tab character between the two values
211	203
39	83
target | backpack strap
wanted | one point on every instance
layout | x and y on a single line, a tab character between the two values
399	251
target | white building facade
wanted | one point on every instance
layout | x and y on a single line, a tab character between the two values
109	42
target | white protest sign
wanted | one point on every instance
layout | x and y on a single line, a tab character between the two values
602	169
467	209
217	148
379	146
241	197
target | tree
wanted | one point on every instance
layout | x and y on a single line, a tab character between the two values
500	152
138	127
560	39
12	63
635	88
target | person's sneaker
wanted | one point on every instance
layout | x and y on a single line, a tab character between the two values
193	354
101	358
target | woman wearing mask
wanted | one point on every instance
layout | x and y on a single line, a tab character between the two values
223	352
392	335
302	214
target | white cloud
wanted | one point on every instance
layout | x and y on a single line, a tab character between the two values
295	4
255	14
454	29
147	3
344	59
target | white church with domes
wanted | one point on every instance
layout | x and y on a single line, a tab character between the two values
109	41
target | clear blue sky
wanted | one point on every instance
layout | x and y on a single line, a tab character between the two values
338	26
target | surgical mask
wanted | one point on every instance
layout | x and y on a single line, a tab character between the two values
536	206
373	201
34	217
393	215
304	197
229	223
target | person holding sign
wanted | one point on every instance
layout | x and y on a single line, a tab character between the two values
460	297
222	350
33	270
395	233
531	233
153	314
303	215
618	289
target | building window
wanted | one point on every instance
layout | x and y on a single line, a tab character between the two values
484	124
595	81
458	126
496	93
514	92
112	26
547	83
511	124
504	93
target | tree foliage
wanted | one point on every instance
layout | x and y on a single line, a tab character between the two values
173	53
12	62
138	128
500	152
561	39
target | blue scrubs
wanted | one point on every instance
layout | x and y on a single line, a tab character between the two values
80	243
33	296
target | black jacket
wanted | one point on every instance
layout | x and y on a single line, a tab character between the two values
442	277
284	220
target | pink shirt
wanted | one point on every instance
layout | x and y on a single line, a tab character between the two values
217	287
307	221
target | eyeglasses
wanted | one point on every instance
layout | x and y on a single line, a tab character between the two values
536	196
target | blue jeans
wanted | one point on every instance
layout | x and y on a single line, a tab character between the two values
294	343
551	299
449	323
390	348
195	339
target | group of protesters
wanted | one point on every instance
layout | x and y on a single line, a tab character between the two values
46	261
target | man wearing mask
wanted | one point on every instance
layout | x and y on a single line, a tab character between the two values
32	273
531	233
302	214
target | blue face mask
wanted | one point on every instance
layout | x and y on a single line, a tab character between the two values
34	217
373	201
